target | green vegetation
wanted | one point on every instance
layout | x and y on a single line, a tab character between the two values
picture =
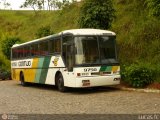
138	75
44	31
97	14
25	24
7	44
154	7
137	34
136	28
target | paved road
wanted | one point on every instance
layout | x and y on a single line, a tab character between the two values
40	99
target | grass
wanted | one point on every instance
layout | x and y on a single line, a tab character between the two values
24	24
137	34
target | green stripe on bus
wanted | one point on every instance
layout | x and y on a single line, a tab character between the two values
39	70
106	69
44	71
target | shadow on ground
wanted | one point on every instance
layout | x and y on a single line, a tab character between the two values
73	90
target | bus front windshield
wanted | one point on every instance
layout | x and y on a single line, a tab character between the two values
95	50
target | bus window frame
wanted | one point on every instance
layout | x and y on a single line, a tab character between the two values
57	37
116	52
73	44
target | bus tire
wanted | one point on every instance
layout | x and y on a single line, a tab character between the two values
23	83
60	83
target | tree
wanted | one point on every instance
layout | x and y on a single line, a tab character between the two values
97	14
30	3
5	4
7	44
55	4
74	1
43	31
48	1
154	7
65	3
42	2
58	4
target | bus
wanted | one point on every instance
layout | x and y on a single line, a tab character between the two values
75	58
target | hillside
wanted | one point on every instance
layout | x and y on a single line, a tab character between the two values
137	33
24	24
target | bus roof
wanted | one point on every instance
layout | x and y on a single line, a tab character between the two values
74	32
33	41
88	32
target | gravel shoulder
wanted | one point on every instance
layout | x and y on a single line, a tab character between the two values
44	99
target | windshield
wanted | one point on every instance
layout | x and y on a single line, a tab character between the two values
95	50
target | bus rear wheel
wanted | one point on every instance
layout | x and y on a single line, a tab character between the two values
60	83
23	83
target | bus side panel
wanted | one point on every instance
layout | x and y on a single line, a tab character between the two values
13	73
56	64
31	72
16	74
69	79
29	75
50	79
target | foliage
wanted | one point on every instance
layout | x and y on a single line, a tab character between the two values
4	63
5	74
46	4
30	3
96	14
5	4
154	7
7	44
44	31
137	75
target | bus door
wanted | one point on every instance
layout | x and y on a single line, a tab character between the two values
68	52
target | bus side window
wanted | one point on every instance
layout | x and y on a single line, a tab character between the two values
40	48
43	48
20	52
26	51
32	50
51	46
57	45
14	53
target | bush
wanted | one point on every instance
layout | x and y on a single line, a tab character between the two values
8	42
137	75
154	7
43	31
4	74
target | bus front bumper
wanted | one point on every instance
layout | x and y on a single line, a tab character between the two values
97	81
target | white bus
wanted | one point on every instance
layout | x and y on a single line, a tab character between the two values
73	58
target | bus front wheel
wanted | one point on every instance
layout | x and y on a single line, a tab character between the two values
23	83
60	83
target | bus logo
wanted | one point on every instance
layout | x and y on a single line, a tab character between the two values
55	61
